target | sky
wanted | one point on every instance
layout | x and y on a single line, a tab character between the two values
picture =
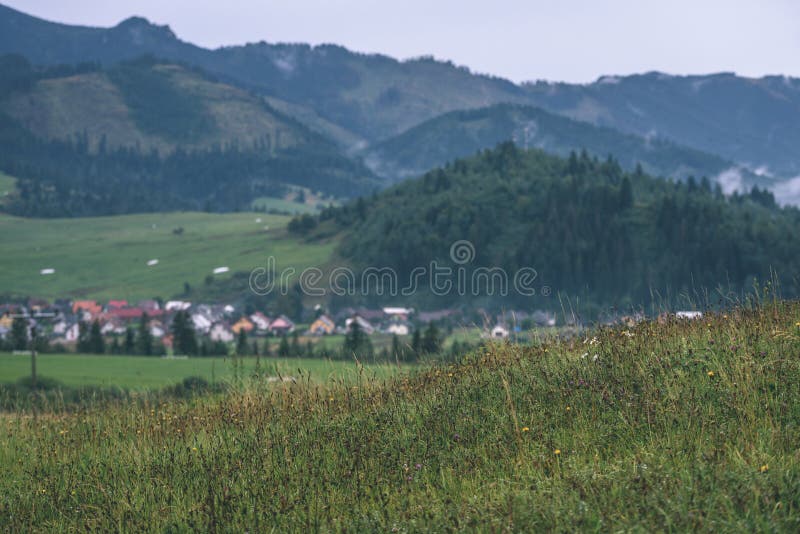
556	40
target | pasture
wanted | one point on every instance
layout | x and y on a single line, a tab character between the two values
107	257
140	372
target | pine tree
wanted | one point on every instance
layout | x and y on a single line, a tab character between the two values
183	335
96	344
295	350
431	340
130	341
19	333
283	348
416	343
241	343
144	339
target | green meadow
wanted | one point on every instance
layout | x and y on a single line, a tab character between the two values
106	257
141	373
672	426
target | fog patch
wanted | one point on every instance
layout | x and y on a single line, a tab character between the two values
731	180
788	192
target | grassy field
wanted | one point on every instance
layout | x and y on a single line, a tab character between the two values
674	427
283	205
136	372
106	257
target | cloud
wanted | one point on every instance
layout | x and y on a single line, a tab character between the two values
788	192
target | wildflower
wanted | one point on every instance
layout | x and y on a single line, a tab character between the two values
568	408
557	452
710	374
764	468
418	467
797	324
194	449
526	429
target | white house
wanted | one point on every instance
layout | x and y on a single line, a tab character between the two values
177	305
398	329
365	325
201	322
689	315
220	332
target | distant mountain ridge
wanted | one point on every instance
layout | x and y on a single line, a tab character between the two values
363	100
462	133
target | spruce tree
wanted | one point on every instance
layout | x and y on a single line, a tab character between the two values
144	339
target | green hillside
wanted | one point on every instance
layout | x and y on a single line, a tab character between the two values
148	105
687	426
106	257
588	228
151	136
463	133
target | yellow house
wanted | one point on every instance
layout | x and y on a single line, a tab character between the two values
323	326
242	324
6	320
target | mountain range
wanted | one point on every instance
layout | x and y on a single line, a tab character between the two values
402	117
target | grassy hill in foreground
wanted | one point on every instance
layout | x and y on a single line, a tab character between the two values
106	257
682	426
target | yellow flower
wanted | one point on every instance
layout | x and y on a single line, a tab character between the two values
194	449
526	429
557	452
797	324
764	468
568	408
710	373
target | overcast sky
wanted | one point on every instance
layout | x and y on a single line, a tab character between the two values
570	40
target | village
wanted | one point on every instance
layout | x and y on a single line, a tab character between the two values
156	328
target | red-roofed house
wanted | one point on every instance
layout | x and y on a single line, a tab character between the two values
88	306
115	304
281	326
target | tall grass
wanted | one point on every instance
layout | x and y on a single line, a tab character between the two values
668	426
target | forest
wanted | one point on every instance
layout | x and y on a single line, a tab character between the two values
587	227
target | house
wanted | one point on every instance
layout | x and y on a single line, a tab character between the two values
201	322
112	327
116	304
88	306
322	326
4	332
220	332
398	329
363	324
689	315
71	333
149	306
177	305
398	313
281	326
436	315
242	324
157	330
260	321
499	332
